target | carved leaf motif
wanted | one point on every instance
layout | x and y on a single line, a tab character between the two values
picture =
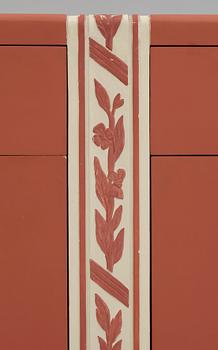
108	186
117	346
118	245
102	96
102	343
100	231
101	183
102	313
119	137
112	328
115	326
118	102
115	191
108	26
116	20
117	217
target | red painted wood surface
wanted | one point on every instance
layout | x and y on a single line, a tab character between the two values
17	29
184	30
33	253
184	101
33	100
184	253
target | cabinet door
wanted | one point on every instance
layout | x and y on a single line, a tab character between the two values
184	103
33	198
184	196
33	100
33	253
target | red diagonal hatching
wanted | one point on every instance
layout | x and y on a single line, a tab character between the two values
109	283
109	61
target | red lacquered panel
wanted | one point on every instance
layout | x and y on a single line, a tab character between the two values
18	29
184	30
184	103
33	100
184	253
33	253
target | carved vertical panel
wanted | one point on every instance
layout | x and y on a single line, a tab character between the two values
107	107
110	166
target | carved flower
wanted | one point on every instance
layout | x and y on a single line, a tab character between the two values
117	177
103	136
108	26
117	180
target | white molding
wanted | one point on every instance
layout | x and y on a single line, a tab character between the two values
73	183
144	181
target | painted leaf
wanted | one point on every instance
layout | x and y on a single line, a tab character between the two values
100	231
100	21
118	102
117	217
102	343
110	206
119	138
115	191
101	184
117	346
102	96
116	20
118	245
102	313
108	26
115	326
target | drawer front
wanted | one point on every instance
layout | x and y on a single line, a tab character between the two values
184	103
33	100
33	253
184	252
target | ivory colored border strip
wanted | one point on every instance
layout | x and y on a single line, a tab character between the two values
73	185
82	179
17	29
135	91
108	185
144	183
184	30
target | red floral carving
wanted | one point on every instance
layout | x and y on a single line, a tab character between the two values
103	136
112	328
108	26
109	186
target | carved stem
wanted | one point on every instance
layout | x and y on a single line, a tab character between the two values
110	206
109	42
